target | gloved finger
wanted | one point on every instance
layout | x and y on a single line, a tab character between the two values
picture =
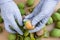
36	10
8	28
18	16
25	20
14	25
40	25
48	7
29	16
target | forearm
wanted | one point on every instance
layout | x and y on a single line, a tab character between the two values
3	1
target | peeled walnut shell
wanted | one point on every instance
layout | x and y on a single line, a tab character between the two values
40	33
28	25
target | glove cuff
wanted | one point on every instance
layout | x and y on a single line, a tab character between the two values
4	1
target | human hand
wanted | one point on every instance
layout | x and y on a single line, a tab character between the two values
41	15
10	12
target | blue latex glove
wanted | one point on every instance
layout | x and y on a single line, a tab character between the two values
10	12
41	14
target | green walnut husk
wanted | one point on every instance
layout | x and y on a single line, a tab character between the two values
26	33
38	38
58	24
22	11
30	10
50	21
18	37
21	38
1	29
46	34
58	10
11	37
27	38
30	2
32	36
21	5
55	33
1	20
56	17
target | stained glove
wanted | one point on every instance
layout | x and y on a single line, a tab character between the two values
10	12
41	14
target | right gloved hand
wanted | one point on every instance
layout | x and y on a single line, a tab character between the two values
41	14
10	12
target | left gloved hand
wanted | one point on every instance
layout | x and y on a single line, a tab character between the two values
41	14
10	13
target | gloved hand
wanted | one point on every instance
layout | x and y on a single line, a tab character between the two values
41	14
10	12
